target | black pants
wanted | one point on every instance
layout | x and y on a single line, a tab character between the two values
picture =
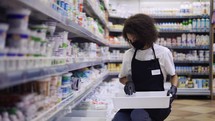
142	114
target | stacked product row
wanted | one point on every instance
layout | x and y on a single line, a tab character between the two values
197	83
40	46
182	9
29	100
196	25
200	55
186	9
114	67
117	41
186	40
116	55
73	10
192	69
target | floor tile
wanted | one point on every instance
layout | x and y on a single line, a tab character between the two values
183	113
198	109
182	119
202	117
172	118
192	110
176	106
190	102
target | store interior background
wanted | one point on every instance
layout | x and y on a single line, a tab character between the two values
68	69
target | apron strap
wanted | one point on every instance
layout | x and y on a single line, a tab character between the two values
134	54
154	52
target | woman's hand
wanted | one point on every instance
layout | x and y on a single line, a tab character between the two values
129	86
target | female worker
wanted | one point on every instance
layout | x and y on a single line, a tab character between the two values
145	68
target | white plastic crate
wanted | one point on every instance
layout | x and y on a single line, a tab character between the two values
87	113
146	100
83	119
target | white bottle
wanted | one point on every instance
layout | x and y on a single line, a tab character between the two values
207	24
20	115
202	24
207	38
203	41
194	25
194	39
198	24
197	40
5	117
189	40
13	118
184	38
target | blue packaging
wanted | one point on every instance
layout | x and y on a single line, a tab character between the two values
66	6
62	3
203	83
199	83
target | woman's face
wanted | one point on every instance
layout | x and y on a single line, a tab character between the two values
131	37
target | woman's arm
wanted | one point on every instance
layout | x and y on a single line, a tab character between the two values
174	80
123	80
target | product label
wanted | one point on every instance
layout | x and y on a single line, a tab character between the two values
156	72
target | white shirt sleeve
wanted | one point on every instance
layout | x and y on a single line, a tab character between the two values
126	65
169	63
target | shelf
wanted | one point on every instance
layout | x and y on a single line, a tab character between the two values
162	17
115	61
179	32
192	62
178	17
91	10
119	46
162	32
44	12
115	16
113	73
19	77
115	30
70	102
193	74
189	48
193	91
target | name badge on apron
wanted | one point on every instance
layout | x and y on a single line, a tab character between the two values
156	72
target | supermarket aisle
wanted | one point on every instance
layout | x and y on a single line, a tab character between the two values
192	110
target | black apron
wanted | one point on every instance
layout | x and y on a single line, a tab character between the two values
148	76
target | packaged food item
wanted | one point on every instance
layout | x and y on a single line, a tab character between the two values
18	18
18	38
3	31
5	116
66	79
11	63
44	87
76	83
51	28
41	29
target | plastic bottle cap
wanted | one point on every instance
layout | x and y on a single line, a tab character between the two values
18	31
4	26
19	11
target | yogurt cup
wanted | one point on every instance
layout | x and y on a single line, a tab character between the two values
18	38
11	62
51	28
3	53
3	30
42	29
18	18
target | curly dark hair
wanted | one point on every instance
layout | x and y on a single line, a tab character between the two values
142	27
